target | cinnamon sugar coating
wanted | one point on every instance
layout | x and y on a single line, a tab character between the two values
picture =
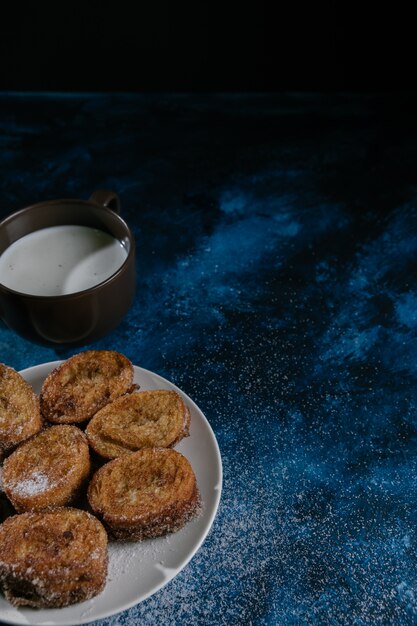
144	494
19	410
48	470
52	559
78	388
147	419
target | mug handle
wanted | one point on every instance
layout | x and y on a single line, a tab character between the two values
106	198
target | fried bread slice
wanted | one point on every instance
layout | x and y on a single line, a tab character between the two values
78	388
52	559
20	416
48	470
143	494
146	419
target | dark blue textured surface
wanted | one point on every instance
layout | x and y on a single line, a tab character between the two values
277	247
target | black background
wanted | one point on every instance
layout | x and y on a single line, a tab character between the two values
195	47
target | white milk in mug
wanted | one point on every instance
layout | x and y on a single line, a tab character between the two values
60	260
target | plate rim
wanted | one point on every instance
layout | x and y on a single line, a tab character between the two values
51	365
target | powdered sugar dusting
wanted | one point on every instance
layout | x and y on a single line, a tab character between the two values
36	483
122	557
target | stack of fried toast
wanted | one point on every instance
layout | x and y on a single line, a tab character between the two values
91	459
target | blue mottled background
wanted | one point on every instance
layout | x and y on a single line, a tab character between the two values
277	285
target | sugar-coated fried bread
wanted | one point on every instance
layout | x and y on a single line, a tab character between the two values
48	470
144	494
19	409
52	559
82	385
147	419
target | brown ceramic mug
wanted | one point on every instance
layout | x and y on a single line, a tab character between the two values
76	317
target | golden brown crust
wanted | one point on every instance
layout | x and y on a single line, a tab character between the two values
19	410
52	559
78	388
147	419
48	470
143	494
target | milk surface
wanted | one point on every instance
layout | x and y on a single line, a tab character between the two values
60	260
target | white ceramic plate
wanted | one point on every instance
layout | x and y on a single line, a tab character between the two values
138	570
